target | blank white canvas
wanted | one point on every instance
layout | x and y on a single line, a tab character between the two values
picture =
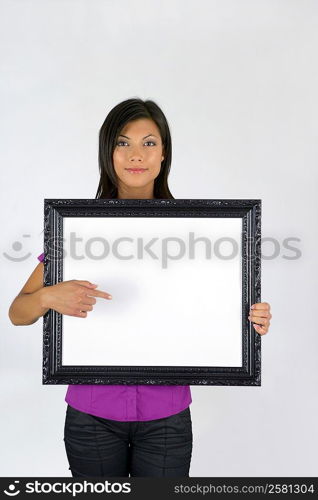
187	314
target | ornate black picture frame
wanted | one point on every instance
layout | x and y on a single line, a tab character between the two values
202	329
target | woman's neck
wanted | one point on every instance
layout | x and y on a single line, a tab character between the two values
144	192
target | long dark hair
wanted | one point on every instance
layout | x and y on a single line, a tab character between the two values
117	118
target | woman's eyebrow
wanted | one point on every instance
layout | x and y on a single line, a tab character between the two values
126	137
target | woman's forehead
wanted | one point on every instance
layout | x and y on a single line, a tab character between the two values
140	126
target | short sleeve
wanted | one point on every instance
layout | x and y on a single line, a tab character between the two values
41	257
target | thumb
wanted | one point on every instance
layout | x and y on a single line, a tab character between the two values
86	283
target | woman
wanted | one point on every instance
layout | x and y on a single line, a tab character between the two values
117	430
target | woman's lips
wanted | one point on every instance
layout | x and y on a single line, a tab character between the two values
136	170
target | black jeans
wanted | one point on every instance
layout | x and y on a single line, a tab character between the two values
99	447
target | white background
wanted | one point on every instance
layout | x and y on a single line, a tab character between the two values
163	312
238	83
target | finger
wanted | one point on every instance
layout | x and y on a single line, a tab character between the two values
99	293
86	283
260	313
260	329
88	300
85	308
259	321
80	315
260	305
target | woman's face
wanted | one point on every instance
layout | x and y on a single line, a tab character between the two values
138	146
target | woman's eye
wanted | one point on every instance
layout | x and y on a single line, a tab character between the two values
120	143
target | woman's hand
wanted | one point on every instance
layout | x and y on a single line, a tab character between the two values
260	316
74	297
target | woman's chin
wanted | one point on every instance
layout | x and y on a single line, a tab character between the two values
136	179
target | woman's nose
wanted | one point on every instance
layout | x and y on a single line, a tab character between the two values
136	155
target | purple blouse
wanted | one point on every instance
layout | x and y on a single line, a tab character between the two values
128	402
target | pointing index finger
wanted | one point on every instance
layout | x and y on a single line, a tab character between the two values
99	293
